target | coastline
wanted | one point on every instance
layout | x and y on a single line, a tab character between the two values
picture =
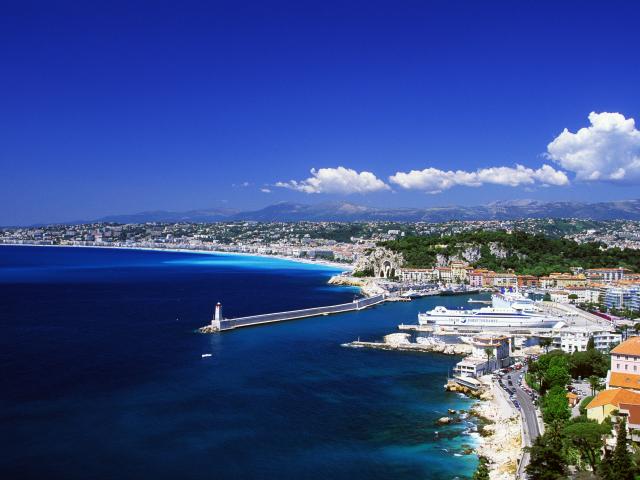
496	447
500	441
325	263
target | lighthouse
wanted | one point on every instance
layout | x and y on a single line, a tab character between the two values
217	316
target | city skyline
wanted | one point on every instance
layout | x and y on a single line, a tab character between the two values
121	110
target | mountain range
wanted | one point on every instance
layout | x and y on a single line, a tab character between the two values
350	212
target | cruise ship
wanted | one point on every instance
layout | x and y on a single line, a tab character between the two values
508	309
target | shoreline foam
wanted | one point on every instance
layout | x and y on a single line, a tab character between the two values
324	263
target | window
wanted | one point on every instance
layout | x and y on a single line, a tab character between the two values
617	366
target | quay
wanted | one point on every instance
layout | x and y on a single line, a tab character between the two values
219	324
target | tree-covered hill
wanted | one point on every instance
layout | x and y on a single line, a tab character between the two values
524	253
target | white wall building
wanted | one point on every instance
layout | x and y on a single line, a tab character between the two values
576	339
419	275
477	364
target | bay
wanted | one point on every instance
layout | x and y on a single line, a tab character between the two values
103	375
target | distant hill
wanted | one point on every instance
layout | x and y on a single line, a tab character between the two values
195	216
350	212
522	252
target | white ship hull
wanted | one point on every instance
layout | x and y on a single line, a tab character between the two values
497	321
508	310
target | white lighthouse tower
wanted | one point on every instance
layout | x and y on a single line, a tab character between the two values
217	316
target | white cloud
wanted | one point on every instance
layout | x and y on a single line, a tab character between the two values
433	180
608	150
336	180
265	190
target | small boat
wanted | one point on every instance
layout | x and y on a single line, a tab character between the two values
206	355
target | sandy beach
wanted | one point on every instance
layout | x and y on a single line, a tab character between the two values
342	266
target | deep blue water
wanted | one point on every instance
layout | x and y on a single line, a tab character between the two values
102	374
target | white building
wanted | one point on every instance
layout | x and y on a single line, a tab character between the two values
606	275
584	294
559	296
478	363
576	339
625	365
419	275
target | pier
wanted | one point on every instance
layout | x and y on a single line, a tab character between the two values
219	324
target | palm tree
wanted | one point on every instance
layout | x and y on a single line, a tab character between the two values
488	351
546	343
623	330
594	382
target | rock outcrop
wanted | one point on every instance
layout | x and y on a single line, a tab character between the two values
382	262
368	286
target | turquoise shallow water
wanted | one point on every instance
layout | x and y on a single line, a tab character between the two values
103	375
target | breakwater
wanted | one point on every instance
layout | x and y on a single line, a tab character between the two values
232	323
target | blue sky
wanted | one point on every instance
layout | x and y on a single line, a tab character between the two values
132	106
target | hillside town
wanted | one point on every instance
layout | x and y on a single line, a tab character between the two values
613	291
338	240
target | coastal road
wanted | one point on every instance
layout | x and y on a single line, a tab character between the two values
529	415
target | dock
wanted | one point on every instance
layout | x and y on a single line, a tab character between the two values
219	324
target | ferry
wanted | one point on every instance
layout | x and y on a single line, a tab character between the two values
508	309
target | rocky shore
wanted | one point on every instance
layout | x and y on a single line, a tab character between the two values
401	342
499	426
207	329
367	286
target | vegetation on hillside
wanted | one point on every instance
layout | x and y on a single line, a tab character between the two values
577	441
518	251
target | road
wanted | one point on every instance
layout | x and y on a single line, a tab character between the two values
529	415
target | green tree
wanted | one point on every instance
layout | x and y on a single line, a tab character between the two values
546	461
605	469
590	362
595	384
482	472
586	435
591	344
546	343
555	406
488	351
547	297
557	374
621	459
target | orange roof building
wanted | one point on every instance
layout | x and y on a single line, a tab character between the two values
628	347
572	399
633	414
625	365
609	400
629	381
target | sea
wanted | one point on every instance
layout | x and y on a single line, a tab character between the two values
103	374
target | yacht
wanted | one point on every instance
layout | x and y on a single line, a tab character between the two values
508	309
